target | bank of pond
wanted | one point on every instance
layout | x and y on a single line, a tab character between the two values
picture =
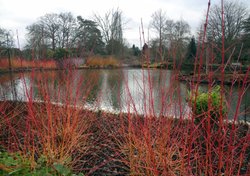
101	143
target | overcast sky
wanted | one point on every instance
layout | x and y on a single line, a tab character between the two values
17	14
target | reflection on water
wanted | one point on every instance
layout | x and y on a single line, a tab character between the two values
10	86
154	92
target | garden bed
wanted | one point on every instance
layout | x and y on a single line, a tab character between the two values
100	143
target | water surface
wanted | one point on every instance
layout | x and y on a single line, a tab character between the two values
151	92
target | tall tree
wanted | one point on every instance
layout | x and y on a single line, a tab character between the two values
246	40
67	23
159	24
36	40
45	31
6	38
112	26
51	31
191	51
88	36
6	42
172	36
51	25
234	14
178	35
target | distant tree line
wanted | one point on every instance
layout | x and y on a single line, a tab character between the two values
56	35
63	35
173	39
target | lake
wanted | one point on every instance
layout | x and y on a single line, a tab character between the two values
148	92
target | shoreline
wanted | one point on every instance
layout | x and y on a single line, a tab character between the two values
229	78
114	114
29	69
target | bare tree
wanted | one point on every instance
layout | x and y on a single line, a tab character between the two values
178	37
6	38
159	24
35	39
51	26
111	26
172	36
234	13
169	30
6	43
51	31
45	30
67	23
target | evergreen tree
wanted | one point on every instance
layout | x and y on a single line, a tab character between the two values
191	52
89	37
136	50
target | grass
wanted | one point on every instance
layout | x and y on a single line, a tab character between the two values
101	62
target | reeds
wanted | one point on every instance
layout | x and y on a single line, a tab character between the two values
17	63
101	62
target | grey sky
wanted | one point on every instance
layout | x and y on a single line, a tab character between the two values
17	14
